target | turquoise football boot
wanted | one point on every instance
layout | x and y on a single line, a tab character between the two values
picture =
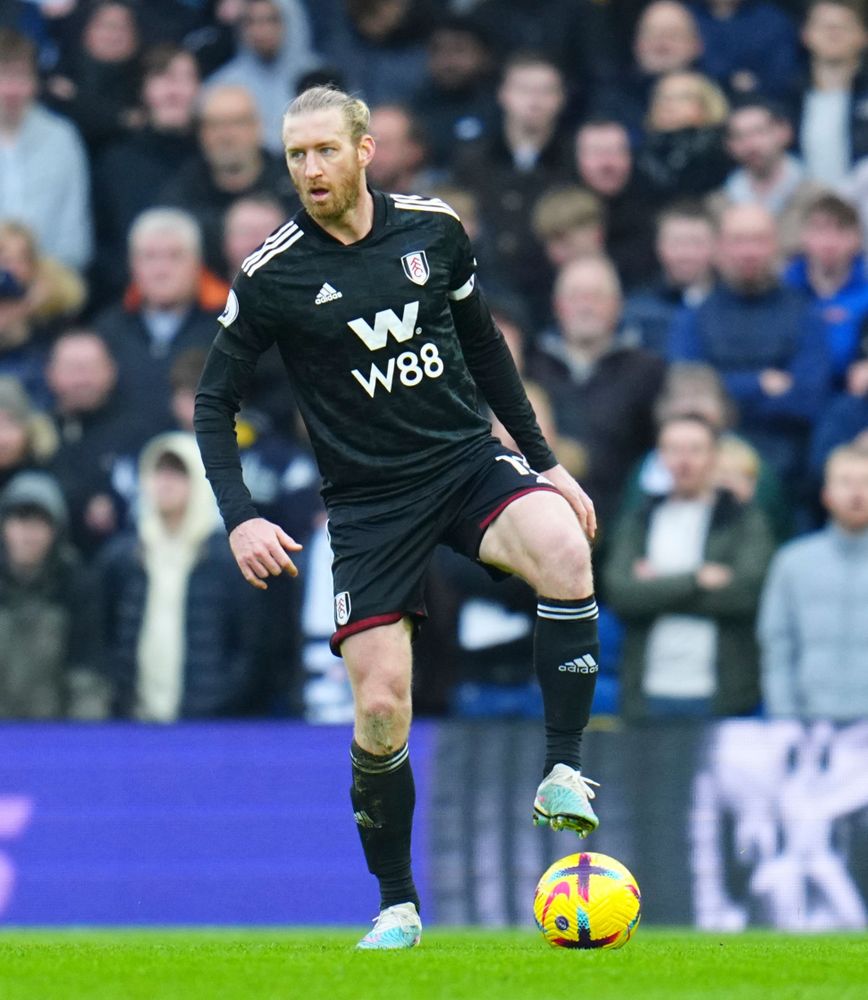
563	801
397	926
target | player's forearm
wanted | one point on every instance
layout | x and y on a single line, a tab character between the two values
218	399
493	369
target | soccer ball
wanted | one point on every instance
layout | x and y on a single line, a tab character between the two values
587	901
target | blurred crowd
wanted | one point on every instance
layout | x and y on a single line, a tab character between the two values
669	207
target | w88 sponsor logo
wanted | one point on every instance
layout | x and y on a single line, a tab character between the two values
409	367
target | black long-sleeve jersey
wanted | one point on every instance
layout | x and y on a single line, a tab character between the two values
385	342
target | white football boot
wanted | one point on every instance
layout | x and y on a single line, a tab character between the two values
563	801
397	926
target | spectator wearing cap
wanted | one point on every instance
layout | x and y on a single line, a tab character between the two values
48	657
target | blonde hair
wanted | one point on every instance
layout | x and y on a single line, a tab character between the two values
715	106
563	209
356	114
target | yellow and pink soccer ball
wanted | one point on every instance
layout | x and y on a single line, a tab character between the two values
587	901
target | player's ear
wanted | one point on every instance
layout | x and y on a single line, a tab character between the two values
366	149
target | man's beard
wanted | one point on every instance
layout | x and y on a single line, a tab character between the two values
344	197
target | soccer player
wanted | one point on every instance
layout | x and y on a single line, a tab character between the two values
372	301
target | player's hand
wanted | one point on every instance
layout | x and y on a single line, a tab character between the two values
575	497
262	549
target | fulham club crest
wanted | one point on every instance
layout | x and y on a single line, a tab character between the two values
342	607
416	267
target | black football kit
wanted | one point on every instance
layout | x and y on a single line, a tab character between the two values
387	343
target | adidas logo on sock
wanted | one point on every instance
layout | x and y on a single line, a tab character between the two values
361	817
583	665
327	294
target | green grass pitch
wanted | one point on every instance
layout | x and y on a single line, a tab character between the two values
320	964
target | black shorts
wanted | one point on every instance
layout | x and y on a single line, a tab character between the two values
382	551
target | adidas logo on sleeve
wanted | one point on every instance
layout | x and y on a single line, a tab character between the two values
327	294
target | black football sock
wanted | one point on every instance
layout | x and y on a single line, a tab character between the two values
384	797
566	651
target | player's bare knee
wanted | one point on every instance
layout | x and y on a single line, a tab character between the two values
382	722
565	571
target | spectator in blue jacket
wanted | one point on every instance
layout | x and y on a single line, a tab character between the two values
749	45
831	272
764	338
685	246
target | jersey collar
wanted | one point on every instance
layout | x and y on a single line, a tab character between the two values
312	228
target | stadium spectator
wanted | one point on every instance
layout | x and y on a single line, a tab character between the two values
758	135
247	224
812	625
749	46
52	292
273	53
27	439
379	45
692	388
604	165
162	316
456	102
569	222
178	625
683	152
765	340
129	173
685	248
833	112
231	163
602	391
831	273
402	152
99	434
845	421
48	655
96	83
576	35
283	481
666	40
22	344
508	171
684	575
44	179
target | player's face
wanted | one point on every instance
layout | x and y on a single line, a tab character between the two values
326	166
